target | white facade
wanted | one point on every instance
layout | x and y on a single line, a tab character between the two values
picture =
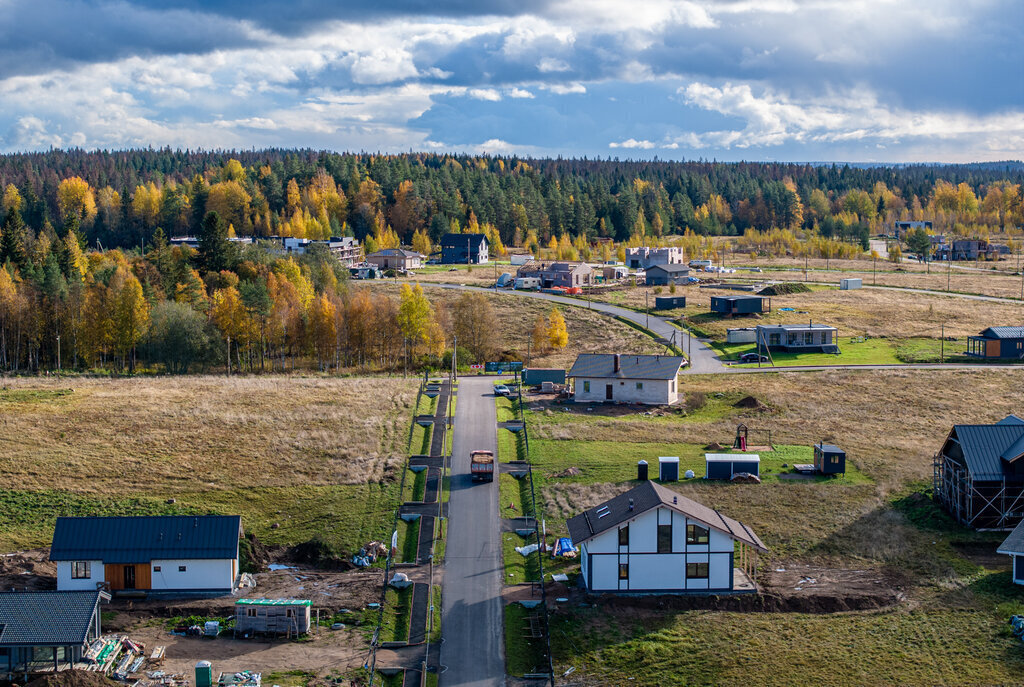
67	582
198	574
647	391
634	563
851	283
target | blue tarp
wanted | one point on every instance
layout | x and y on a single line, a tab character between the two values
564	547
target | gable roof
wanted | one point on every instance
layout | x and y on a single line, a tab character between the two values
141	539
393	252
985	447
555	266
671	268
739	298
630	366
648	495
459	240
1003	333
47	618
1014	543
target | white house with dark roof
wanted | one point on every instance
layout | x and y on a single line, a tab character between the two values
1013	546
620	378
179	554
651	539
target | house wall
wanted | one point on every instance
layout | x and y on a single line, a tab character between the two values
66	583
654	391
1018	569
653	571
659	278
272	619
199	574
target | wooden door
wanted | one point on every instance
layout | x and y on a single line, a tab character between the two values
129	577
608	392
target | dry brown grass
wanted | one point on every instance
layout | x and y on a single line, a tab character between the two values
118	436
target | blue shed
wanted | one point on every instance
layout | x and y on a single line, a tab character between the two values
725	465
829	459
669	302
738	305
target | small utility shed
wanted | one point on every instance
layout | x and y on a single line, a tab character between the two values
669	302
533	376
979	473
181	554
649	379
738	305
829	459
289	617
997	342
651	539
725	465
45	632
663	275
1013	546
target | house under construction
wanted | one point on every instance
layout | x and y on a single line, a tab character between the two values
979	474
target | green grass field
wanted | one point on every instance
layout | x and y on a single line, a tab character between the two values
854	351
523	654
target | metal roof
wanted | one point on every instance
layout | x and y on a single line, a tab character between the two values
674	267
648	495
141	539
602	365
389	252
829	448
795	327
732	457
1003	333
1014	543
273	602
459	240
47	618
739	298
986	447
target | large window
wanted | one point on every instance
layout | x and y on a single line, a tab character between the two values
696	571
695	534
81	570
808	338
774	339
586	387
665	538
250	612
624	536
624	571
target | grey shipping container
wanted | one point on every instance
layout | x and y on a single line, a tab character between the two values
669	302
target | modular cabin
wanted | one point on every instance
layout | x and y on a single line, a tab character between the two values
978	474
167	554
669	302
663	275
728	465
288	617
615	378
652	540
1013	546
48	631
798	338
829	459
464	249
997	342
739	305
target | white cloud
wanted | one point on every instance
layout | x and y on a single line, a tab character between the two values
519	93
565	89
488	94
632	143
547	65
383	65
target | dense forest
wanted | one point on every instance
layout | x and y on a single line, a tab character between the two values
89	279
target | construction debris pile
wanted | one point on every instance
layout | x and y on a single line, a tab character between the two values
245	678
369	554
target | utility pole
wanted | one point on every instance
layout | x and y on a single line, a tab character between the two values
455	357
58	353
942	345
949	269
229	356
647	306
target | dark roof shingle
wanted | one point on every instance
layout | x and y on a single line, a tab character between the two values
1014	543
1003	333
141	539
650	495
630	366
985	447
673	268
47	618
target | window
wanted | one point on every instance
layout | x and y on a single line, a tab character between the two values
81	570
791	339
835	460
639	386
156	568
586	387
665	538
774	339
696	571
808	338
623	571
250	612
289	612
181	568
695	534
624	536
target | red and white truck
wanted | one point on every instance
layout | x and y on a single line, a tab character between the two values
481	465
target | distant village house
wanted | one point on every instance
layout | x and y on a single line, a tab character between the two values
621	378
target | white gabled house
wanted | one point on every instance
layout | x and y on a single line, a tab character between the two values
618	378
653	540
179	554
1013	546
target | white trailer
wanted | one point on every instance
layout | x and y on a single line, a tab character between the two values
851	283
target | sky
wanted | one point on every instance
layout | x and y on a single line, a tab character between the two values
792	80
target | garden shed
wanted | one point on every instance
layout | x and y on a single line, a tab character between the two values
829	459
738	305
288	617
725	465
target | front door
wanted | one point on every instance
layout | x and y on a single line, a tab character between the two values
608	392
129	577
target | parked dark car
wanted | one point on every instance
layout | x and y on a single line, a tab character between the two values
753	358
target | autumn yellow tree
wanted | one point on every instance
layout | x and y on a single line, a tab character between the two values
76	200
421	243
558	335
323	331
131	315
539	334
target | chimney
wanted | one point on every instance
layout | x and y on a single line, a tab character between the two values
616	363
631	505
675	500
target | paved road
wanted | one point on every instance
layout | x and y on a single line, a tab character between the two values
473	652
702	358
